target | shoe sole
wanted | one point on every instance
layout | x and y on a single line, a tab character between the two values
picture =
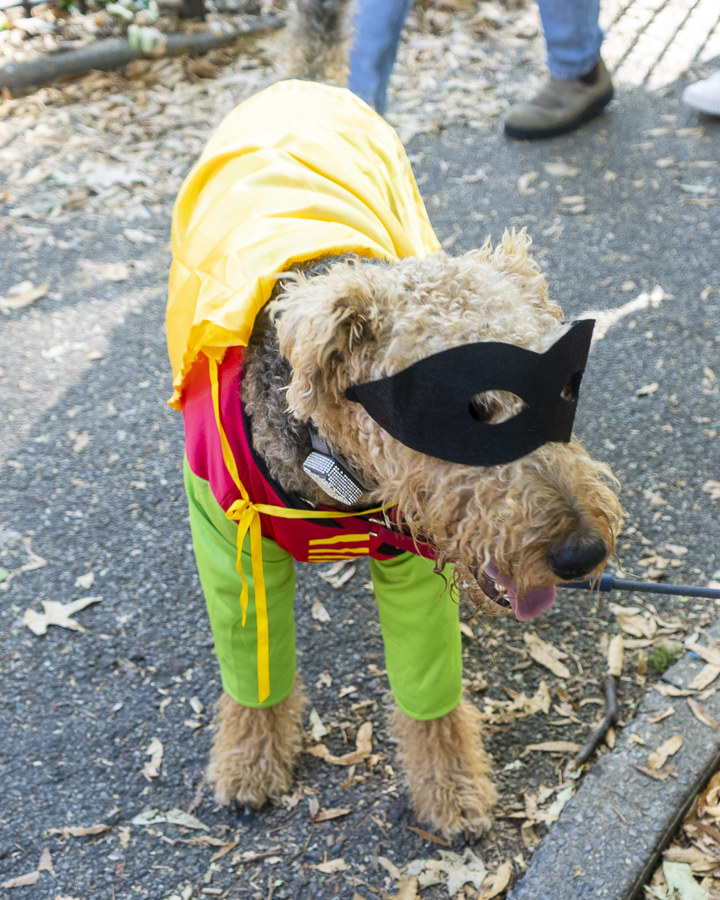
529	134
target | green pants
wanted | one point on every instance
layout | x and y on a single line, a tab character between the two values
419	620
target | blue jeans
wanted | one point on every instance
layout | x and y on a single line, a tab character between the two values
378	26
572	35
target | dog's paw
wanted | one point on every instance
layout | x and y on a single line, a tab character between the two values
447	770
455	807
253	752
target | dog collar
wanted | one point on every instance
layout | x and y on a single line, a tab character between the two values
331	472
431	406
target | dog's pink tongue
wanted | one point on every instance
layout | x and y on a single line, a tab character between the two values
531	604
536	601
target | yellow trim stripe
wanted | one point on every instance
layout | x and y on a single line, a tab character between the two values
341	539
338	554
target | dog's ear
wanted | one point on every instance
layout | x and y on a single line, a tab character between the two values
512	257
326	326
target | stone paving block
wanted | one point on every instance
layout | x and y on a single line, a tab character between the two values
610	835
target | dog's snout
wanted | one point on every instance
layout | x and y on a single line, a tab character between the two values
576	557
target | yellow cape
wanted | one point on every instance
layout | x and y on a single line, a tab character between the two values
300	170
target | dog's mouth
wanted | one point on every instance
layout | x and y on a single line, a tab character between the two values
502	591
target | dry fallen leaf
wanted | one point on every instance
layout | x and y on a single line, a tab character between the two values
151	769
451	869
561	169
85	581
171	817
701	715
45	862
22	294
671	746
499	882
316	725
27	880
332	865
519	706
31	878
632	622
616	652
319	613
546	655
553	747
339	573
79	830
59	614
524	182
704	677
325	815
363	749
407	888
658	774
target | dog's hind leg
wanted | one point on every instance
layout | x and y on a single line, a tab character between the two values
254	751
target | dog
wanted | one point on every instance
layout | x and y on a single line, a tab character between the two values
349	390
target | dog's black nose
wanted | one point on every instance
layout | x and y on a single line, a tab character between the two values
576	556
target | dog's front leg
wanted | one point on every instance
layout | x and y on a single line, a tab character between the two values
447	770
254	751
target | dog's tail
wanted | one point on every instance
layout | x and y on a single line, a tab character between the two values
317	39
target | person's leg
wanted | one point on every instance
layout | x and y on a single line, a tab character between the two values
579	87
573	36
377	29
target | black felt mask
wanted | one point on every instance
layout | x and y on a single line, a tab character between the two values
431	407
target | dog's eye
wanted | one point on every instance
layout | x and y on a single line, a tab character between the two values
483	407
494	407
572	387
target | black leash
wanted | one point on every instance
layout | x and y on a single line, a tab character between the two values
608	582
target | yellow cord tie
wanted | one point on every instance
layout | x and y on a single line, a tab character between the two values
247	515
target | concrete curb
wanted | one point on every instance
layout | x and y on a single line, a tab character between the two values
609	837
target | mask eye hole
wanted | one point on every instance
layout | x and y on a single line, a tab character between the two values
494	407
572	387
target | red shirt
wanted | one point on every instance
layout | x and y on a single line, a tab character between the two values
306	540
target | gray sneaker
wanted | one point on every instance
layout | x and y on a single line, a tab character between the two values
561	105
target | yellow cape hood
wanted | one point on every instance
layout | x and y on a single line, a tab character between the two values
300	170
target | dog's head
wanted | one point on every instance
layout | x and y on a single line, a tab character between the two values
529	523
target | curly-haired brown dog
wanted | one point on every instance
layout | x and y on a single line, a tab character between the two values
365	301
